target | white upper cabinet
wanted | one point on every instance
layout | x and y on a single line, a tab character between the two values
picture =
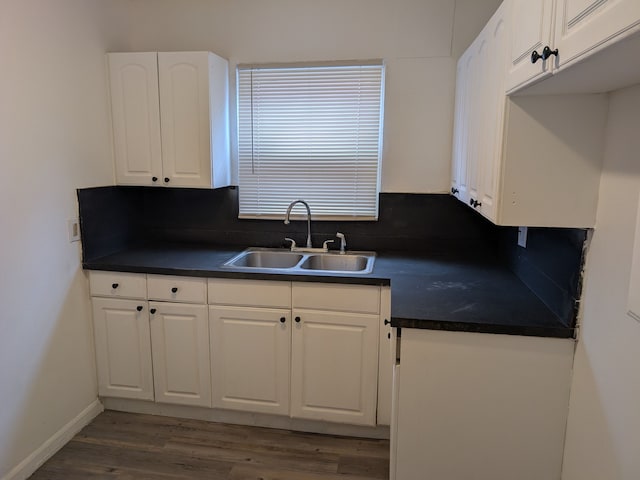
136	117
531	160
531	21
170	118
550	35
583	26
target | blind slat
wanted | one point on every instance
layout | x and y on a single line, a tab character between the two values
312	133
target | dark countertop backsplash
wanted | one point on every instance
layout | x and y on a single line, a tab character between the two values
114	218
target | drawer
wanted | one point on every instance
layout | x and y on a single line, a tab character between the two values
336	297
253	293
118	284
177	289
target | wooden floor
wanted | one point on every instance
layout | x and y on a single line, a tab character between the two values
133	446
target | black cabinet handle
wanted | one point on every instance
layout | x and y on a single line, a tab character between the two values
283	319
139	308
153	310
547	52
471	202
174	289
454	191
154	179
535	56
386	322
114	285
297	319
166	179
475	203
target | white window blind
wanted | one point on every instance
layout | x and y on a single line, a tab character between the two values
310	133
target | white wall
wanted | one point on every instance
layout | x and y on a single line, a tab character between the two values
415	37
603	435
54	137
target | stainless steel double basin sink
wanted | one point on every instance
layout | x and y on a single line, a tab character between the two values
286	261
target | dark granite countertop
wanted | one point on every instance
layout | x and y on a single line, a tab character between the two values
427	291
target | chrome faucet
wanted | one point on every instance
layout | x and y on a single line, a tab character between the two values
286	219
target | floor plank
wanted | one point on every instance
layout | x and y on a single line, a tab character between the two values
128	446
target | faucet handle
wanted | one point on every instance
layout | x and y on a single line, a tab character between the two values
293	242
325	245
343	241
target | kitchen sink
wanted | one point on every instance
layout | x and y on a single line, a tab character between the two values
286	261
336	263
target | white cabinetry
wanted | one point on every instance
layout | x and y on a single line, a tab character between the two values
122	336
170	118
318	361
157	345
480	406
250	345
572	31
531	161
334	354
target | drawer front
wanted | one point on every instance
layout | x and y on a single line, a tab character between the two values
118	284
177	289
254	293
336	297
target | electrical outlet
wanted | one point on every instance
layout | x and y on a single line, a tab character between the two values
522	237
73	227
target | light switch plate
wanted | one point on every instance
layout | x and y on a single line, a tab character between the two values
73	227
522	237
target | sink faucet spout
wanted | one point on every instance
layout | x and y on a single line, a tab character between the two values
286	218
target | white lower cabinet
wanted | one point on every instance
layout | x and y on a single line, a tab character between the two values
250	355
123	348
479	406
334	366
180	339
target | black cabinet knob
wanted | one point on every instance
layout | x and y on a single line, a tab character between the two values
386	322
283	319
166	179
535	56
153	310
139	308
454	191
547	52
174	289
114	285
297	319
154	179
471	202
475	203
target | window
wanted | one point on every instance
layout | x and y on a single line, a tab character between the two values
310	133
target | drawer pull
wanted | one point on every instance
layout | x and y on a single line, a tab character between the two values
283	319
174	289
114	285
297	319
153	310
139	308
386	322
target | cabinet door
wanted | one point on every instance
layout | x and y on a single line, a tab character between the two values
334	366
180	339
584	25
461	129
123	348
186	128
491	116
250	356
136	117
530	30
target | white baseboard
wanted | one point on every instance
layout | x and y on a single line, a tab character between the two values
54	443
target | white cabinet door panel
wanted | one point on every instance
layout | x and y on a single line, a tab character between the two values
123	348
136	117
250	358
584	25
180	337
334	366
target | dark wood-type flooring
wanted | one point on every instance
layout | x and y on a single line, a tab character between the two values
133	446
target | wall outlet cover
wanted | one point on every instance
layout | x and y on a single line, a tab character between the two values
522	237
73	227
